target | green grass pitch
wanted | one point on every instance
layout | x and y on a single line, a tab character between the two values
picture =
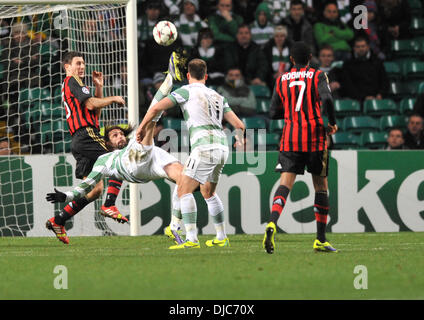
143	268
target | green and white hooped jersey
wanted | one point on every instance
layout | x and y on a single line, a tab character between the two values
203	109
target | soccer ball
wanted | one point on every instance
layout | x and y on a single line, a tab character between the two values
165	33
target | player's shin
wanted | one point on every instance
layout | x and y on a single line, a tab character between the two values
70	210
113	189
176	217
278	203
216	211
189	214
321	207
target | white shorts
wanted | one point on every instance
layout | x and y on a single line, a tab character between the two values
205	165
151	165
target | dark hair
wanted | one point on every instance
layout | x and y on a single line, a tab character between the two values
67	57
300	52
296	3
197	68
326	47
125	130
395	129
243	25
361	38
205	32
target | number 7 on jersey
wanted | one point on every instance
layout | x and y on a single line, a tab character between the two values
301	91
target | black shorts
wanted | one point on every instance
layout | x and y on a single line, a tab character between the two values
87	145
315	162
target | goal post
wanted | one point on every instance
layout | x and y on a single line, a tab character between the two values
32	116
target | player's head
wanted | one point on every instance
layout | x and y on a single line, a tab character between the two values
116	137
74	64
197	70
300	53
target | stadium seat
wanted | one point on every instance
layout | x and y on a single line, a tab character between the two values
415	7
421	88
260	91
397	91
417	26
414	70
393	70
407	106
405	48
347	107
373	140
387	122
271	140
359	124
276	126
345	140
380	107
262	105
254	123
412	87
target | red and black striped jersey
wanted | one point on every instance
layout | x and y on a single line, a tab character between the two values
297	98
74	95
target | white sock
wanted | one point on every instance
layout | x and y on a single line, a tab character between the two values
216	211
176	217
189	213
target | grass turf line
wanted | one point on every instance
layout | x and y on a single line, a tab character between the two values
143	268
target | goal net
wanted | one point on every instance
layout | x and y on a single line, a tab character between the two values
33	40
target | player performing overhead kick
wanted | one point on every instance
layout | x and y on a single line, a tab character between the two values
134	162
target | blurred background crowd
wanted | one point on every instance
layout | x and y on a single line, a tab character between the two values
375	64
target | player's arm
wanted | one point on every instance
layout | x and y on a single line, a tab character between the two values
94	103
97	174
276	105
98	83
234	120
152	112
327	102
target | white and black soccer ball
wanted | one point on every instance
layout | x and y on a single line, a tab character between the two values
165	33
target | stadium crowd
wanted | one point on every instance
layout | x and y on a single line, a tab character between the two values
375	67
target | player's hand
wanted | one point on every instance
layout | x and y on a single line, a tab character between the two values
140	134
55	197
119	100
331	129
97	78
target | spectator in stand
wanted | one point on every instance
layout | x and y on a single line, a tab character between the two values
331	30
246	9
248	57
148	20
396	16
298	26
240	97
376	34
189	24
224	23
414	137
364	76
277	54
326	59
395	140
262	29
214	56
5	149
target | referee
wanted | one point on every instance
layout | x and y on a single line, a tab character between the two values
82	115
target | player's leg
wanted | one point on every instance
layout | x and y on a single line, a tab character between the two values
173	171
289	164
188	211
318	167
216	212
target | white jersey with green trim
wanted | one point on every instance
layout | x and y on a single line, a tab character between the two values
134	163
203	109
